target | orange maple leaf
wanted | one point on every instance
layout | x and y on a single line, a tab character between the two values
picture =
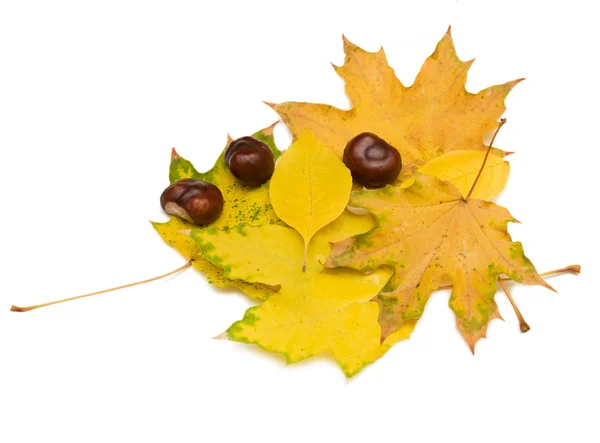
426	232
433	116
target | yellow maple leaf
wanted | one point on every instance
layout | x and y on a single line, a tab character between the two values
429	231
433	116
310	187
316	311
242	204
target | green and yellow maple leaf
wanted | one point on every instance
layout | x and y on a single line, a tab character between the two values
242	205
317	311
433	116
426	232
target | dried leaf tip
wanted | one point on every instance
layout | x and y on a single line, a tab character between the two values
174	154
268	131
222	336
14	308
575	269
348	46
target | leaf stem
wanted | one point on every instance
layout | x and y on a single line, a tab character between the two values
487	154
522	323
31	308
575	269
305	258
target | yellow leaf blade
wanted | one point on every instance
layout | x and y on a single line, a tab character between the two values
461	167
176	233
301	326
317	311
310	187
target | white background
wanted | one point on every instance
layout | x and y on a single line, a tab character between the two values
93	97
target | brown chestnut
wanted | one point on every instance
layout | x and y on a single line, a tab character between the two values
372	161
250	160
193	200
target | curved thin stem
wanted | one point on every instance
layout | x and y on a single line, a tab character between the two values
31	308
487	154
522	323
575	269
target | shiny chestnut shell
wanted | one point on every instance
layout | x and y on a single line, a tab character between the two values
372	161
250	160
193	200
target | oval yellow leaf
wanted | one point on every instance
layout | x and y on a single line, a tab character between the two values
461	167
310	187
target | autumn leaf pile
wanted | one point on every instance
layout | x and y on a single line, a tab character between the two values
330	278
